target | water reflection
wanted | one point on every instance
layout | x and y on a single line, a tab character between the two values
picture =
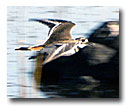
80	91
71	89
24	75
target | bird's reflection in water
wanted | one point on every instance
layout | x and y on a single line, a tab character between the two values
80	91
66	84
62	89
76	90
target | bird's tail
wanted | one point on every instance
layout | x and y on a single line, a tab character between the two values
33	48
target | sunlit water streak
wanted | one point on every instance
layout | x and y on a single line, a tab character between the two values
21	32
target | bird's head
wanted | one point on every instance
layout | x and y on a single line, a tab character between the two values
82	40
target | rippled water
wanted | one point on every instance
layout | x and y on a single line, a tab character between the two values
21	32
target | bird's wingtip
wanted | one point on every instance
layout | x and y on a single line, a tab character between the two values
51	20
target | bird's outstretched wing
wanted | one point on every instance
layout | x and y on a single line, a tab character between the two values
60	30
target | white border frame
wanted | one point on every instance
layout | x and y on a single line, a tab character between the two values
123	61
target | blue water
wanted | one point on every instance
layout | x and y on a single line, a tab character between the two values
21	32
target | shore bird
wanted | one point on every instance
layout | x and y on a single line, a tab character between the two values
59	38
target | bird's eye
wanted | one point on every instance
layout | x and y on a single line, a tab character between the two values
83	40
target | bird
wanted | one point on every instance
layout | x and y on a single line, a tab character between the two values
59	40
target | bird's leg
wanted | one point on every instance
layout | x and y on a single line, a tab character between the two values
35	48
22	48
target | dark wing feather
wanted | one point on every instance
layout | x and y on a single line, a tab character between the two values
45	22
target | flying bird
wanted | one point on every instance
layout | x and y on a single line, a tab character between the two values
59	40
